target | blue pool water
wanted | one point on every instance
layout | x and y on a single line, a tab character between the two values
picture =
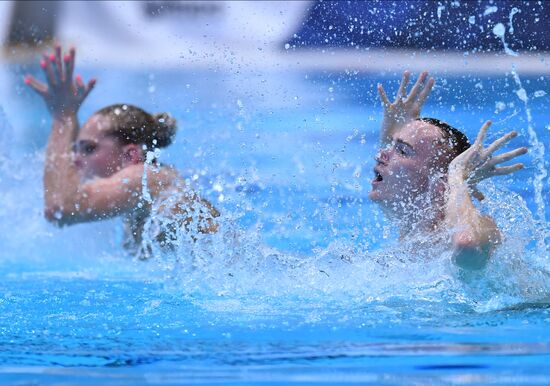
306	282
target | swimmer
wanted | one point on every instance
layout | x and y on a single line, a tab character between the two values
426	175
108	167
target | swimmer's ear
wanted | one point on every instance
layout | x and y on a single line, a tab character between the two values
131	154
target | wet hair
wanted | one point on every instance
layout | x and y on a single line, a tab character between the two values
131	124
454	138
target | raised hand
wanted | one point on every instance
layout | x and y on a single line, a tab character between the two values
478	163
405	108
62	94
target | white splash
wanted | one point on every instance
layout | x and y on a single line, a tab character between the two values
511	16
537	149
440	9
149	158
489	10
499	30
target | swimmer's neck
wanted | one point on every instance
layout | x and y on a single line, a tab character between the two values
419	219
430	224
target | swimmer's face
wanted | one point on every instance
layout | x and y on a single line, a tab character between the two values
97	154
405	167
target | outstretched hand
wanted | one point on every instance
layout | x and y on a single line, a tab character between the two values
478	163
62	94
405	108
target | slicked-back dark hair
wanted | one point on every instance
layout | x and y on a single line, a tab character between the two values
455	139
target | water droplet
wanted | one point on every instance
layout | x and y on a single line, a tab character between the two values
500	106
490	10
499	30
522	94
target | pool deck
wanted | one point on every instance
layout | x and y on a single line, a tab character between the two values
226	57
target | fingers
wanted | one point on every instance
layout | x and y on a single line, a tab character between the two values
91	85
403	86
481	134
82	90
425	92
37	86
508	156
46	65
69	64
500	142
417	85
383	97
79	87
58	68
507	169
53	70
58	64
419	92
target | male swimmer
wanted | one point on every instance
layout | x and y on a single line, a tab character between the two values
426	174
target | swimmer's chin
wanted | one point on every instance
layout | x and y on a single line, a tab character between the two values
374	195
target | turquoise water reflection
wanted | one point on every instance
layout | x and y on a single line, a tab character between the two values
289	157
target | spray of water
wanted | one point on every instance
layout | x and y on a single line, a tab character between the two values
235	269
537	147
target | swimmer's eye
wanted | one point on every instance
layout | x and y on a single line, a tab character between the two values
402	149
85	148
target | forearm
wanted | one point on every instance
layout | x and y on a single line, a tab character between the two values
460	211
60	177
473	234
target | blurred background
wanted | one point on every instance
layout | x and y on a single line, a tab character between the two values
235	37
187	33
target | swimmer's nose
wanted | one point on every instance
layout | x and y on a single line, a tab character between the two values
382	156
77	160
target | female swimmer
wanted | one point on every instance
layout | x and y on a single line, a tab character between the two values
108	167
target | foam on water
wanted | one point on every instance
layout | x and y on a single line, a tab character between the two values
241	272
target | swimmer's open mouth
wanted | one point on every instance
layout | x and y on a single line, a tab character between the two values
377	177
